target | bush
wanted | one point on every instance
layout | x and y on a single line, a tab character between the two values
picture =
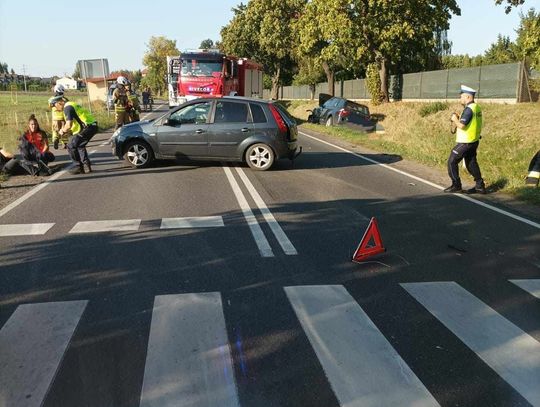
431	108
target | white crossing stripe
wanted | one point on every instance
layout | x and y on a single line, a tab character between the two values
363	368
532	286
260	239
193	222
188	361
25	229
32	344
106	226
280	235
509	351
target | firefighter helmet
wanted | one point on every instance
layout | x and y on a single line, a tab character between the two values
122	80
59	89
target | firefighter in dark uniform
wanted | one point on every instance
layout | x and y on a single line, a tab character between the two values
469	128
534	171
134	107
120	101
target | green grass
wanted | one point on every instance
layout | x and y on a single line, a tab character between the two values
511	136
16	108
433	107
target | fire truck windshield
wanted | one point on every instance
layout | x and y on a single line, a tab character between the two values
195	67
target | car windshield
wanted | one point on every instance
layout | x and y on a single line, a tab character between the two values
195	67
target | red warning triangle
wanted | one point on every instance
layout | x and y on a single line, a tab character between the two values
371	233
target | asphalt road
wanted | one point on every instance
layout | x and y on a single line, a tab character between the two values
208	284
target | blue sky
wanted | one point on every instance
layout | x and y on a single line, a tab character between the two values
48	37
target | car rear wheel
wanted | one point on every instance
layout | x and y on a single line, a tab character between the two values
260	157
138	154
329	121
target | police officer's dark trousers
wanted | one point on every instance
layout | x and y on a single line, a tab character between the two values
466	151
77	144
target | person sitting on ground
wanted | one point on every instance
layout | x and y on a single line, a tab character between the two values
12	165
533	177
34	147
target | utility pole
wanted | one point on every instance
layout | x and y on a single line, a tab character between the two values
24	76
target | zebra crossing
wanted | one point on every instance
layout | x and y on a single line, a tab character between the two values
189	359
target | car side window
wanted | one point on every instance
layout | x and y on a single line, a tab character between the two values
231	112
258	113
194	114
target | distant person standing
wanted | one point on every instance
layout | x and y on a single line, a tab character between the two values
120	101
58	119
469	127
82	124
146	95
533	177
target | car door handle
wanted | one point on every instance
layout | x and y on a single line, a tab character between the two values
199	131
245	130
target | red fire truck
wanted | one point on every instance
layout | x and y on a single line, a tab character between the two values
211	73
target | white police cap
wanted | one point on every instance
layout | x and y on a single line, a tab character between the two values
466	89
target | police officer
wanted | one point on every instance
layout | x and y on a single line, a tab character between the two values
533	177
120	101
58	119
469	127
83	126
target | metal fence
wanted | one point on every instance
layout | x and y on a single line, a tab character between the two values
505	81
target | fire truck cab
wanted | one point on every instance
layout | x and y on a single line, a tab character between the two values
211	73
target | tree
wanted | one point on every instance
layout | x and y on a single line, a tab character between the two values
156	62
263	30
325	33
207	44
388	33
528	40
509	4
502	51
76	73
4	67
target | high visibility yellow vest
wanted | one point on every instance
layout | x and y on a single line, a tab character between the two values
85	116
471	132
57	115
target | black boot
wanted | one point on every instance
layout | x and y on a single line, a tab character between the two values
478	189
88	167
454	188
79	169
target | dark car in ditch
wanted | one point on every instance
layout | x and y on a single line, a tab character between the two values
223	129
334	110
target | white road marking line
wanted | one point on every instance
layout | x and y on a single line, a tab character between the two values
25	229
106	226
363	368
462	196
256	231
188	362
509	351
532	286
32	345
192	222
280	235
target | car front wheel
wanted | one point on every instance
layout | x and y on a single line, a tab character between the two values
329	121
260	157
138	154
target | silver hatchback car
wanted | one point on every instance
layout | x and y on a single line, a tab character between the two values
225	129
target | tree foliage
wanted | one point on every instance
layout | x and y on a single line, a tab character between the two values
4	67
207	44
510	4
263	30
502	51
528	40
156	62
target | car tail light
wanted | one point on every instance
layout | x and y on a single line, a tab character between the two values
279	120
344	113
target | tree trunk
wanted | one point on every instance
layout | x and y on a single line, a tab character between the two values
384	80
329	78
275	84
312	91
